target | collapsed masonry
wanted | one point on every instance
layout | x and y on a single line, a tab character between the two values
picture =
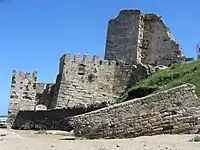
135	43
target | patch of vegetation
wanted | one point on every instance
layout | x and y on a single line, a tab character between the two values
197	139
49	132
63	134
41	132
175	75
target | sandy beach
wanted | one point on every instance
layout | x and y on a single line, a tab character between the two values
23	140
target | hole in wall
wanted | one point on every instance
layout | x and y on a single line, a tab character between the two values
81	69
174	112
34	86
14	96
142	103
27	97
95	70
100	62
13	80
91	77
168	127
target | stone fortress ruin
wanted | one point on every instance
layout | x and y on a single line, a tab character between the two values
136	43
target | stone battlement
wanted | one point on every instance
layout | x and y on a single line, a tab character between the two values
66	58
24	74
86	60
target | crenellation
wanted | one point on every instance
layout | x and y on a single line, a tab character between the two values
95	59
86	58
77	57
34	74
104	63
22	74
67	57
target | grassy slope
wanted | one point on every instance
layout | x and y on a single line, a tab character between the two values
175	75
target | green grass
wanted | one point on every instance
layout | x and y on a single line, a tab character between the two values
173	76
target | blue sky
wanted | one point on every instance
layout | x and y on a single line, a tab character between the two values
34	34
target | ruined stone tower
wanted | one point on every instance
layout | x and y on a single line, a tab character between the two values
141	38
83	82
23	93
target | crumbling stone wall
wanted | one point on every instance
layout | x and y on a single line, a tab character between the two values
141	38
26	94
44	94
23	92
84	82
172	111
158	46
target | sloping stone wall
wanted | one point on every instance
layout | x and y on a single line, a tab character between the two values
169	112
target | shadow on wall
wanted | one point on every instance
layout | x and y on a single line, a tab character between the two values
50	119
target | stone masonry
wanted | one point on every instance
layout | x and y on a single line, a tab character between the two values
141	38
135	42
172	111
26	93
23	93
85	82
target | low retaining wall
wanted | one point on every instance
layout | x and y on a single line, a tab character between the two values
172	111
49	119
